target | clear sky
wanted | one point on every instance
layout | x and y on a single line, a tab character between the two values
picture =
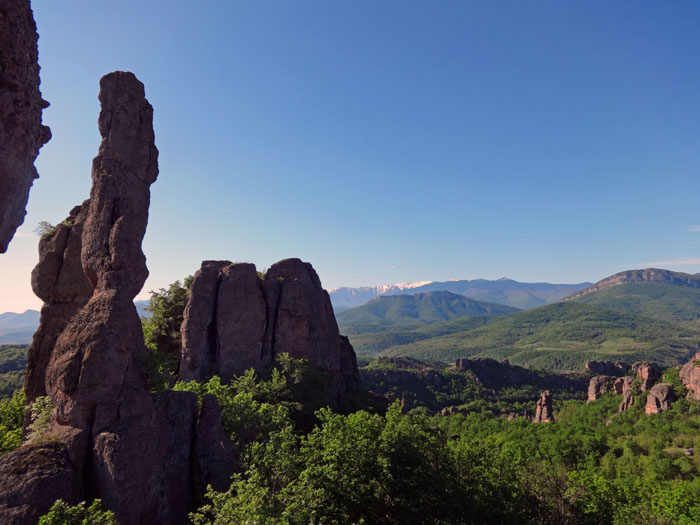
388	141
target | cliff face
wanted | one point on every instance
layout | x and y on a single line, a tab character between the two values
237	319
21	131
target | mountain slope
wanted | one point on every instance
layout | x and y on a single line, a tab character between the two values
647	275
400	310
562	336
502	291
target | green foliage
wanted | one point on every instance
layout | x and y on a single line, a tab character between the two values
389	311
663	302
63	514
11	419
562	336
41	410
13	360
161	333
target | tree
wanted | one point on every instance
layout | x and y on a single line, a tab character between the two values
161	332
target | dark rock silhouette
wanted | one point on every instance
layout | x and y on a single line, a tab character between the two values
659	398
214	452
237	319
543	411
607	368
690	376
21	131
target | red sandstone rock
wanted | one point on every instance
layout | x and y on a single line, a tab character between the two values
543	412
599	386
690	375
659	398
648	373
21	132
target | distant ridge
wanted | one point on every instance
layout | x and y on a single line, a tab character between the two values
502	291
391	311
647	275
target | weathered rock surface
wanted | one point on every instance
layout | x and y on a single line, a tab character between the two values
648	373
659	398
690	376
607	368
214	453
58	279
132	449
237	320
21	131
32	478
543	411
599	386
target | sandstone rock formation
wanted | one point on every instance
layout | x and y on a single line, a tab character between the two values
543	412
690	376
648	373
659	398
21	131
607	368
599	386
237	319
132	449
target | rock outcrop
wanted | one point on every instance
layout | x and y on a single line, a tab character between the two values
647	373
131	448
599	386
21	131
543	411
659	398
237	319
690	376
607	368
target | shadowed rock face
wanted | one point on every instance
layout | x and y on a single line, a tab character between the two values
543	410
599	386
21	132
607	368
237	320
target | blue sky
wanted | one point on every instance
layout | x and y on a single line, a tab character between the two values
388	141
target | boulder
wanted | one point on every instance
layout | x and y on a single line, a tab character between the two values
690	376
543	411
21	131
32	478
659	398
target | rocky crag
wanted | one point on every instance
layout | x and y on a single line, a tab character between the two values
647	275
113	439
544	413
237	318
21	131
148	456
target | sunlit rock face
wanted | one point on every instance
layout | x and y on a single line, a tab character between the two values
690	376
237	319
21	131
659	398
543	411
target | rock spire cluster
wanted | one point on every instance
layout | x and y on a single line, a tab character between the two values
21	131
237	318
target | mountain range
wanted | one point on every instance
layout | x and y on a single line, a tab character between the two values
502	291
648	314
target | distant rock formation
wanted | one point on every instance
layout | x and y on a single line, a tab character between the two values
543	411
659	398
237	319
690	376
21	131
648	275
599	386
647	373
607	368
